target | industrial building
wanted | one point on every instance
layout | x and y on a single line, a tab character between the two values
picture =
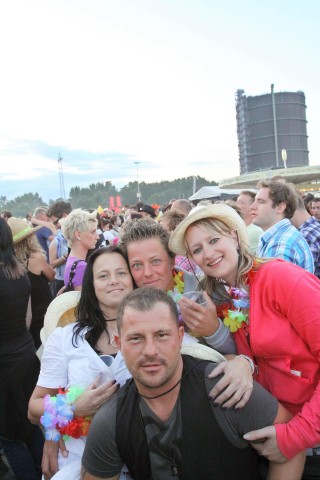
272	131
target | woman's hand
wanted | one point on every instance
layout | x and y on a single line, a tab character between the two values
93	397
201	320
49	462
236	384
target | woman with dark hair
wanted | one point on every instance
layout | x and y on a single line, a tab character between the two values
21	442
71	359
31	255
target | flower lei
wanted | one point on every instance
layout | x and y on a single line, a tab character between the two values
240	297
57	418
235	319
177	291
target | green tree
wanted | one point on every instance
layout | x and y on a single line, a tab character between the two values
93	196
24	204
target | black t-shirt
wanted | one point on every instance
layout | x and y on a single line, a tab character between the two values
14	298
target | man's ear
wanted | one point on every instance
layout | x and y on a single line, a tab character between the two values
117	339
181	334
281	207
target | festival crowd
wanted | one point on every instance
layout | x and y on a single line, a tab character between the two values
162	341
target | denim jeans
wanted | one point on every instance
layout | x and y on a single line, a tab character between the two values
25	458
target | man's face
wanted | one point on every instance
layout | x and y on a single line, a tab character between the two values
150	343
244	203
150	264
263	213
315	210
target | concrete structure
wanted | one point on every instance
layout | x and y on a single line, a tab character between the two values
272	131
300	176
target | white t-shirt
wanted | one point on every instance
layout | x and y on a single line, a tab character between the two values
66	365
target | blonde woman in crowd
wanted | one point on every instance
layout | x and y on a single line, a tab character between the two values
79	228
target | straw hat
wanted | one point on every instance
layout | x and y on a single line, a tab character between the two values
218	211
60	313
203	352
20	229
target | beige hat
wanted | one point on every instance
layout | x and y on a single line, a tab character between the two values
217	211
203	352
60	313
20	229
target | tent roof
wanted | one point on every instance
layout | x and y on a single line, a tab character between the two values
214	192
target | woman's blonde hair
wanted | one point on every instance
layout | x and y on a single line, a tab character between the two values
77	221
216	286
26	247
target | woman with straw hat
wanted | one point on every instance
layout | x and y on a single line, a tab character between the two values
31	255
21	442
273	309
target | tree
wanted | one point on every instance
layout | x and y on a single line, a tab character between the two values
99	194
24	204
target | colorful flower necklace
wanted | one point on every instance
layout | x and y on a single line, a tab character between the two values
235	319
58	419
178	288
177	291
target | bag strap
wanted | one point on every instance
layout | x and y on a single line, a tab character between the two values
73	272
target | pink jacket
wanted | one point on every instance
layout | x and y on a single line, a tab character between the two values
283	338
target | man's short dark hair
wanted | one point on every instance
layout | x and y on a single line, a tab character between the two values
280	192
59	208
6	214
173	217
250	194
143	300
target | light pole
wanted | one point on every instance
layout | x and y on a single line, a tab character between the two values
284	157
138	192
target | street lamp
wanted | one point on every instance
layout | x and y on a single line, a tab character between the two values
138	192
284	157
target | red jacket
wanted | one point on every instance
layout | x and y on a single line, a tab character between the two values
283	338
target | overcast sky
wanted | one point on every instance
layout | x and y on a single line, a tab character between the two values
111	82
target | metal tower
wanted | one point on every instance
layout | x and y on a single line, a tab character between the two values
62	191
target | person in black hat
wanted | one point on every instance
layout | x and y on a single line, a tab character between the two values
147	211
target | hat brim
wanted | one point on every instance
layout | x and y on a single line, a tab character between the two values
219	211
27	234
57	308
203	352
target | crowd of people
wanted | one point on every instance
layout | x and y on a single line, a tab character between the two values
112	369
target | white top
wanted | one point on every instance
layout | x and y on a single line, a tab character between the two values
66	365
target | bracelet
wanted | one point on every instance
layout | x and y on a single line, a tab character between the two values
57	418
252	366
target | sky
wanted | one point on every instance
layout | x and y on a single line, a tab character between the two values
109	83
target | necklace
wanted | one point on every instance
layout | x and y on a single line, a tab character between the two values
178	288
161	394
112	341
235	319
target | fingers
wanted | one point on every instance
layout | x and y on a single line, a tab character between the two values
62	447
257	435
244	400
49	462
218	370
